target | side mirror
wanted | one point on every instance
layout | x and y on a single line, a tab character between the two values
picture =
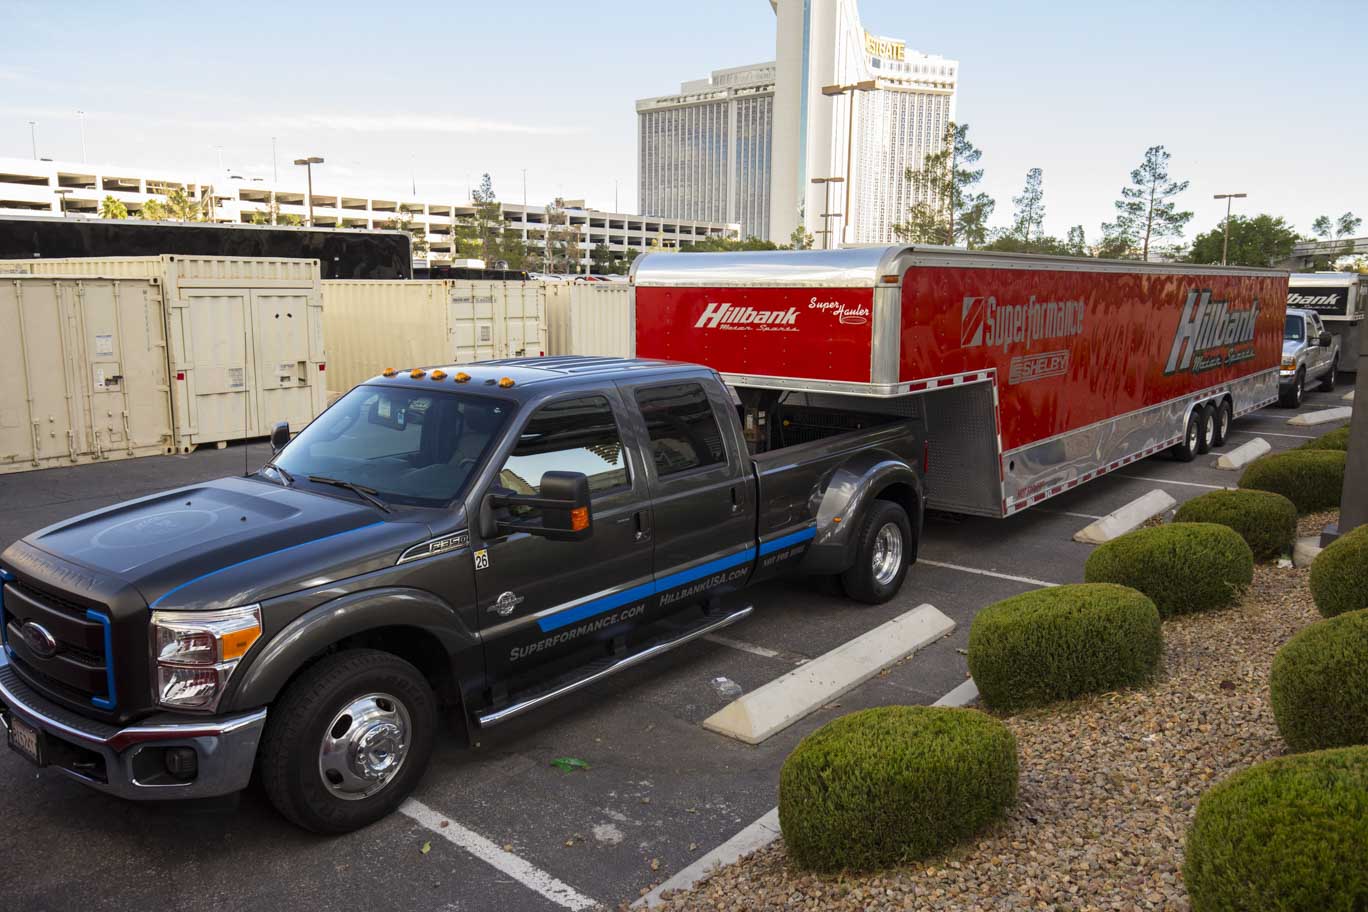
280	435
564	506
1324	340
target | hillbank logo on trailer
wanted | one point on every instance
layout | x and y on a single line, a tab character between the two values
983	321
729	316
1206	328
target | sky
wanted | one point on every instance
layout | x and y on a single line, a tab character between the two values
1254	97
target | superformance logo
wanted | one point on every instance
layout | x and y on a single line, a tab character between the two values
983	321
1207	329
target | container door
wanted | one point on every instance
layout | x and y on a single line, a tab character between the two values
471	322
100	355
37	424
213	371
284	342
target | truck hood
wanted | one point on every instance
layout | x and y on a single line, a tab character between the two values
1292	348
190	548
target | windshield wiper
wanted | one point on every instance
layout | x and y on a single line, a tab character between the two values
285	477
361	491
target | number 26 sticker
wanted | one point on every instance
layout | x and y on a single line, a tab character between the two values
482	559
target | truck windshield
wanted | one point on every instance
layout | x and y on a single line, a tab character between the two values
1293	330
408	446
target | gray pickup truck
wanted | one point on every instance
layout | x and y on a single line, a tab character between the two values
468	543
1309	353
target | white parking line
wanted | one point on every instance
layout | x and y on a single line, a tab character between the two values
742	646
1006	576
1067	513
1186	484
1271	434
524	872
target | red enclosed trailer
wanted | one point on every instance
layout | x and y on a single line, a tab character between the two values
1033	374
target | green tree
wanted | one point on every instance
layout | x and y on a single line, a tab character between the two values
600	259
1029	219
562	253
488	221
1258	241
1077	242
181	208
1146	211
718	244
1008	242
800	239
153	211
513	250
1340	229
272	215
110	208
947	209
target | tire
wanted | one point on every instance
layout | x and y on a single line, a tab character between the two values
1194	438
1220	423
882	551
1292	398
1205	413
292	759
1327	384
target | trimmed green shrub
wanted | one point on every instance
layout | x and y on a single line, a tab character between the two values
1183	567
1063	642
1266	521
1311	479
1319	685
1338	439
884	786
1339	574
1289	835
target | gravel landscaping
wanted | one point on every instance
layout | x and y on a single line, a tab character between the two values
1108	785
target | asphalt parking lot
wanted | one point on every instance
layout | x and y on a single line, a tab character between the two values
660	791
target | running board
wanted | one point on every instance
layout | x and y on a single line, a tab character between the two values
494	717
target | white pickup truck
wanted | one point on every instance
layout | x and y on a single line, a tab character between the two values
1310	352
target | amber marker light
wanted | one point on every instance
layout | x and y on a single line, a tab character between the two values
388	372
506	382
579	519
462	377
437	375
417	372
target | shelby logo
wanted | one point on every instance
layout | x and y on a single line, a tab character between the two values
729	316
983	321
1206	326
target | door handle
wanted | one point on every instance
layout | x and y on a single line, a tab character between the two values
643	526
736	498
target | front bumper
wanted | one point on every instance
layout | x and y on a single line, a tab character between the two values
128	762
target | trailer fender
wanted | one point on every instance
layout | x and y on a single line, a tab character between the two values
423	628
865	478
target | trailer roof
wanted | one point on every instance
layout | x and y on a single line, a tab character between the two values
856	267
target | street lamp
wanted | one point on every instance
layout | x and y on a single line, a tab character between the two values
308	164
81	115
827	214
33	137
833	91
62	193
1225	244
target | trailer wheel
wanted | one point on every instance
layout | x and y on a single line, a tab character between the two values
1194	438
348	740
1205	414
1220	423
1327	384
881	554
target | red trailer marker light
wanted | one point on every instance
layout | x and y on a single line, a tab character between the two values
180	375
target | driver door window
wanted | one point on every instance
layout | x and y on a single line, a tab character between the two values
573	435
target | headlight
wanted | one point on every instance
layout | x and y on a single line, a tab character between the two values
196	652
1289	364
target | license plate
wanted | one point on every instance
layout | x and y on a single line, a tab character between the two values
26	739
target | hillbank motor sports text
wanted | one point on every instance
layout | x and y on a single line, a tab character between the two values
1070	347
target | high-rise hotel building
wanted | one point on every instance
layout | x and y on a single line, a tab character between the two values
746	144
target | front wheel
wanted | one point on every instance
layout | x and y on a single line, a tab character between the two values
881	554
1291	397
1327	384
348	741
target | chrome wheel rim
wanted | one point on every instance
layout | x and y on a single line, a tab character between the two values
364	746
888	554
1222	422
1192	435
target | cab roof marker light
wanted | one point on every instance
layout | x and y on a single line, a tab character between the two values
437	375
388	372
505	382
462	377
416	373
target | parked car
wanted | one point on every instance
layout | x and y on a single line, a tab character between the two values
1309	353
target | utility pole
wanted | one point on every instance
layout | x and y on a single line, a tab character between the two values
275	171
1225	244
33	137
81	115
62	193
827	214
1354	497
835	91
308	164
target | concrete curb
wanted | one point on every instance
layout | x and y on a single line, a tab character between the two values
1324	416
763	831
1305	550
777	705
1348	397
1244	454
1130	517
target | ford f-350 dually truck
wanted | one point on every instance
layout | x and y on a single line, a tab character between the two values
465	543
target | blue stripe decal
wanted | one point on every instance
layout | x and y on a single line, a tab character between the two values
168	593
664	584
784	541
109	699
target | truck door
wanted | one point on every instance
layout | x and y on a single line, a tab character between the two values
1321	354
701	490
540	601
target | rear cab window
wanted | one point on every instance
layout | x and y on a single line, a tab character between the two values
683	433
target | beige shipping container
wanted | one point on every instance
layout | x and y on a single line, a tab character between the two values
244	338
590	318
83	371
371	325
